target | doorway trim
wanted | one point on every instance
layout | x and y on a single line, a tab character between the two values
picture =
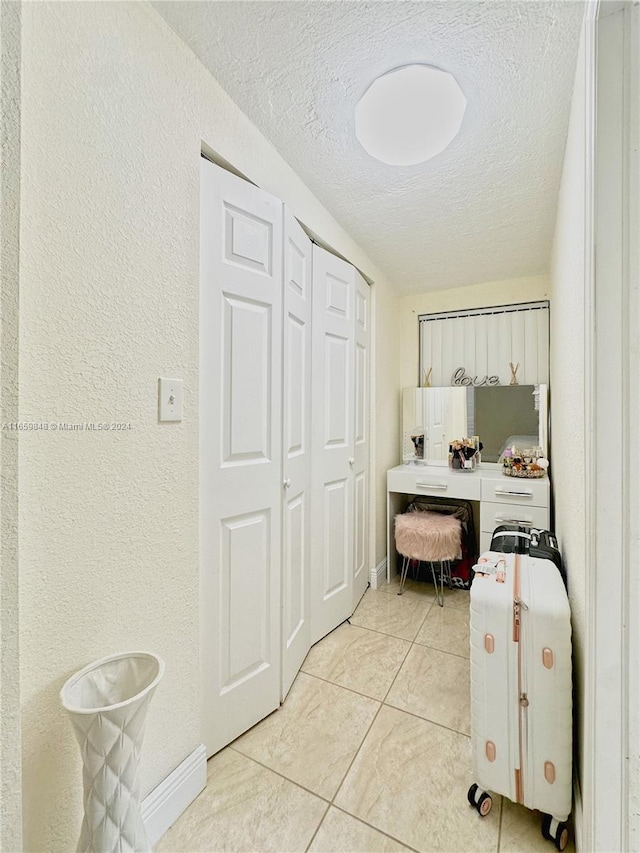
611	745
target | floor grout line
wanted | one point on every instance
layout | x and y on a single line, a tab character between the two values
385	633
355	755
444	651
500	825
426	720
386	696
343	686
417	716
317	829
377	829
357	752
412	643
331	802
278	773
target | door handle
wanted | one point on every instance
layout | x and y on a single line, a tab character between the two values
286	483
352	460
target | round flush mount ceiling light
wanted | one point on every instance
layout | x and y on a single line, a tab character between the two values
410	114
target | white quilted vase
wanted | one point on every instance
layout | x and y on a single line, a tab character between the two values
107	702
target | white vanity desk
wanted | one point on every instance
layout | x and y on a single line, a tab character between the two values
502	499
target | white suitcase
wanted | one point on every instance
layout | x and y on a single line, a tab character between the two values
521	695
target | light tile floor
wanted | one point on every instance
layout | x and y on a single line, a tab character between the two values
370	753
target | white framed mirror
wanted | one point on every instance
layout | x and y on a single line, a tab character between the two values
501	415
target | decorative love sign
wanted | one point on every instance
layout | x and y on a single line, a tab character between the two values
459	377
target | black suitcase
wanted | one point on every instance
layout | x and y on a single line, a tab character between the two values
518	539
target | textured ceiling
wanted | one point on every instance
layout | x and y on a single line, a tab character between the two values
482	210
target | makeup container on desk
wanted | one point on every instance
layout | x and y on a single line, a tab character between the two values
464	454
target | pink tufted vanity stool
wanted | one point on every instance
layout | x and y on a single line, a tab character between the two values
431	537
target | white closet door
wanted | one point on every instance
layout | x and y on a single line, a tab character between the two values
361	440
240	453
332	442
296	540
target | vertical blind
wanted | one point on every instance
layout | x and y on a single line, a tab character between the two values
483	342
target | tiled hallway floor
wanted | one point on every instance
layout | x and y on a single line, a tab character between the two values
370	753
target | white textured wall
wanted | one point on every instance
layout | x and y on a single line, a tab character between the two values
458	299
115	110
567	368
10	765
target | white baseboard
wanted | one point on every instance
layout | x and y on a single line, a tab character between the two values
164	805
577	813
379	574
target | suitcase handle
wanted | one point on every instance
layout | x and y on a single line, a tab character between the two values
527	521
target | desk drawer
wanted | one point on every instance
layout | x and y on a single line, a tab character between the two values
511	490
448	485
492	515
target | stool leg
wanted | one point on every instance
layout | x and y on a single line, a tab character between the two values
445	573
403	574
439	595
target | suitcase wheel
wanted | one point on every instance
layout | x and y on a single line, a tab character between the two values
480	800
484	804
556	831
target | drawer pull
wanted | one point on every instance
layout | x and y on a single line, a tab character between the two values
514	493
500	520
431	486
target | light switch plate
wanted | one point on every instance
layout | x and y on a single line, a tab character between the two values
169	400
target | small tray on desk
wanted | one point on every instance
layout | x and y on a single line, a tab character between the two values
524	473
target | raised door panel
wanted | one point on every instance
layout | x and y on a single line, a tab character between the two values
296	389
336	556
360	459
244	620
333	414
246	381
338	291
248	240
294	557
362	409
240	454
296	445
337	411
360	531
